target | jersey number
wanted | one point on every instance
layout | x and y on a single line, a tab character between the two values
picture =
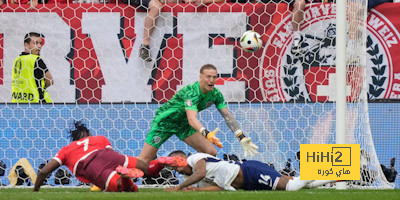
85	143
265	179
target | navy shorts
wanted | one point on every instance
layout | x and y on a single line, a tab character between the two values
259	176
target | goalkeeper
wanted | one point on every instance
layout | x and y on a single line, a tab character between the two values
179	116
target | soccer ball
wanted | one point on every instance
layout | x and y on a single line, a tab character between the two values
250	41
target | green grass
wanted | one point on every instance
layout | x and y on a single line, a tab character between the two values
159	194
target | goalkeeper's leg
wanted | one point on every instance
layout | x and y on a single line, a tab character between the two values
155	166
200	144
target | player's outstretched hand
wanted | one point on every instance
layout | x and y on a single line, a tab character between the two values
249	147
189	188
172	189
211	137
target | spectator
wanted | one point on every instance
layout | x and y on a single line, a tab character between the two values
353	8
153	11
30	76
297	21
355	15
390	172
373	3
179	117
32	3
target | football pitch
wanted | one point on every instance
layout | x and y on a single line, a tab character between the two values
159	194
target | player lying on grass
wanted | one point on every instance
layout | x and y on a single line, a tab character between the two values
215	174
92	160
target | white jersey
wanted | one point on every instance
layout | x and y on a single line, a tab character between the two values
218	171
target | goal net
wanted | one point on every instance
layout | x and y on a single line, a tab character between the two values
280	98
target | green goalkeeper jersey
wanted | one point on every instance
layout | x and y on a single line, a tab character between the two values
189	97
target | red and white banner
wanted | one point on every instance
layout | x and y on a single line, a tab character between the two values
92	51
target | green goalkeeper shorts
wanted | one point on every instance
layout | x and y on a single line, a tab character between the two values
161	131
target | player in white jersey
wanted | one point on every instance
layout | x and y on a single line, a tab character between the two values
229	175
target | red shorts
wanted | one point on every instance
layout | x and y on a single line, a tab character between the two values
99	168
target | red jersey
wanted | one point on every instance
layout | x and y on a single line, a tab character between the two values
71	154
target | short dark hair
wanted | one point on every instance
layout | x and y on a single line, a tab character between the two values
207	66
177	152
27	38
78	132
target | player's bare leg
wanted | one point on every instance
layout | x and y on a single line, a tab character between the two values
148	153
200	144
146	160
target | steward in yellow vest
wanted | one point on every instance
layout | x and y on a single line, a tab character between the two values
30	76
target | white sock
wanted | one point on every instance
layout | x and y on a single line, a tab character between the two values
318	183
296	184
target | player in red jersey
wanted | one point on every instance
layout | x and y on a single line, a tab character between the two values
92	160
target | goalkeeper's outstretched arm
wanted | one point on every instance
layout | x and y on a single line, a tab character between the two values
196	124
248	146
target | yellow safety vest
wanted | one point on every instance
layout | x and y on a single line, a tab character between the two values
24	88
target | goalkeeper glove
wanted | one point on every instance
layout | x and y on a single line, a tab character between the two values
248	146
211	136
